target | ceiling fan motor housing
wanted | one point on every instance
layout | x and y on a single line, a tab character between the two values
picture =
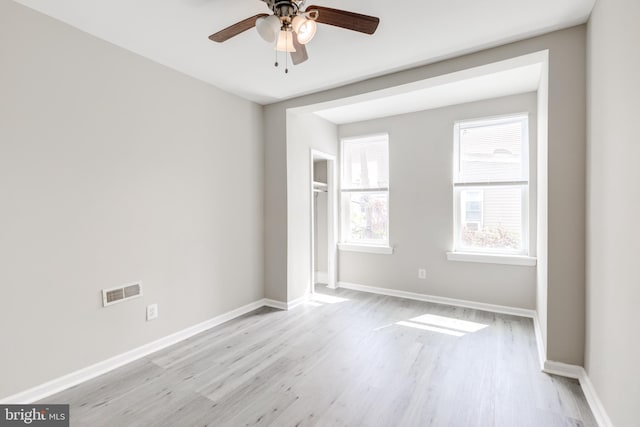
286	10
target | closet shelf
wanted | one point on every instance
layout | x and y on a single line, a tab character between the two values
320	186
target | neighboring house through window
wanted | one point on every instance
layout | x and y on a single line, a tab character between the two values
491	185
365	190
472	208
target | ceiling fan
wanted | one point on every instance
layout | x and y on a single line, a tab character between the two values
292	25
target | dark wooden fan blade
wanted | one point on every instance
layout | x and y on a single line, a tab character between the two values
235	29
300	55
343	19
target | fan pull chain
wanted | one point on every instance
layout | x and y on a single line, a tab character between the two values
286	56
276	64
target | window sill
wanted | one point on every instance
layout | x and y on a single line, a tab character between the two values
372	249
492	258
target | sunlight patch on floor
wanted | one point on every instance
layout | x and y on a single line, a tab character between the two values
449	322
314	304
442	324
327	299
430	328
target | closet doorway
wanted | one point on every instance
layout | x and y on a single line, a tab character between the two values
323	220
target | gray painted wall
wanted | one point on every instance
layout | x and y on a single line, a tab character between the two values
304	132
564	281
542	217
421	210
613	291
275	205
566	145
115	169
112	170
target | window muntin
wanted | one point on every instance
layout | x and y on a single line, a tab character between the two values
491	185
365	190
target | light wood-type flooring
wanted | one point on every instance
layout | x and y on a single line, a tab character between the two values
345	359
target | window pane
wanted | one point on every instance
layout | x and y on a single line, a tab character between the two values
472	208
366	217
491	218
365	163
491	152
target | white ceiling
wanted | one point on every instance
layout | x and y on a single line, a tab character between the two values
412	32
457	91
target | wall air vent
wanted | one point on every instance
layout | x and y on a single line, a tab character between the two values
122	293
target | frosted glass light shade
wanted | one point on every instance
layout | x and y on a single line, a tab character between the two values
304	28
285	42
268	28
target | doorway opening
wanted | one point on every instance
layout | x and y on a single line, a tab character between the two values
323	220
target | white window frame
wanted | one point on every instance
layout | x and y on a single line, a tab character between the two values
459	185
377	247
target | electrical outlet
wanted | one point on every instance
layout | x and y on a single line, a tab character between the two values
422	273
152	311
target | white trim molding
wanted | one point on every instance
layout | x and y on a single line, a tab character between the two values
281	305
515	311
579	373
370	249
542	350
492	258
74	378
599	413
85	374
562	369
332	217
548	366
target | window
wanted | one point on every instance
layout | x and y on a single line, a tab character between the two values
365	190
491	185
472	205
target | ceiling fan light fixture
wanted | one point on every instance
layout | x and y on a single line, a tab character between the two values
291	26
285	42
304	28
268	28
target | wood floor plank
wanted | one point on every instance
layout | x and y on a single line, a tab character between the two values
346	359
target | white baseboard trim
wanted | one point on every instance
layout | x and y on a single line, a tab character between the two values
281	305
579	373
563	369
74	378
548	366
540	344
515	311
600	414
62	383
